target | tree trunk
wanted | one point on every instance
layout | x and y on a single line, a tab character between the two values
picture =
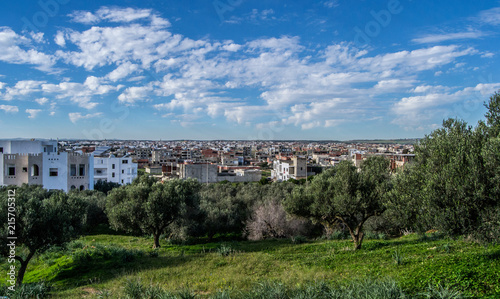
357	238
157	241
24	265
357	235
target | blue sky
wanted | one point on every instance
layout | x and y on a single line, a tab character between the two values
239	69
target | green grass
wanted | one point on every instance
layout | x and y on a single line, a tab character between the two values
104	264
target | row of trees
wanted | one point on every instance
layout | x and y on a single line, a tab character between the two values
453	186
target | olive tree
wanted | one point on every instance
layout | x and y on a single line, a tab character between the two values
149	206
344	195
42	219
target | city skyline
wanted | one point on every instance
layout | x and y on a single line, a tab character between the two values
241	70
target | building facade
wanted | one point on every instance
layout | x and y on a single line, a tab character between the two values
289	168
117	170
37	162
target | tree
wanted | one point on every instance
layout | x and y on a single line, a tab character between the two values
105	186
223	212
344	195
42	219
149	206
454	188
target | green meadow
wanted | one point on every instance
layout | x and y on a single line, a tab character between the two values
111	266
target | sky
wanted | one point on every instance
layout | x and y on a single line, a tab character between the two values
240	69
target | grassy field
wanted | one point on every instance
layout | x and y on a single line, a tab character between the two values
104	264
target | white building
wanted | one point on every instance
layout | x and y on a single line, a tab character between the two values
37	162
295	168
117	170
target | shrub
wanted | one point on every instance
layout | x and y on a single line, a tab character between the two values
269	220
298	239
225	250
398	257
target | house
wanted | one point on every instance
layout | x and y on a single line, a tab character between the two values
38	162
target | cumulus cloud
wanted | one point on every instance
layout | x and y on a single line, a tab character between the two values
9	108
18	49
42	101
33	113
74	117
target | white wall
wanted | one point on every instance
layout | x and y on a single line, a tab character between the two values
59	161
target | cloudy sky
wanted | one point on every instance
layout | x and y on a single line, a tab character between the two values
240	69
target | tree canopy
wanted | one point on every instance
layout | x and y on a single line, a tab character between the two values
149	206
42	219
344	195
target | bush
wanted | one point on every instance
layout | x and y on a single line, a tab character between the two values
225	250
98	252
298	239
337	235
269	220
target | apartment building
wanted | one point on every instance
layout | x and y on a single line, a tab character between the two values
37	162
112	169
286	168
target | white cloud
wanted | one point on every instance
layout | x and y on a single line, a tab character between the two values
9	108
135	93
42	101
117	15
416	60
74	117
437	38
22	88
331	3
414	111
59	39
18	49
490	16
122	71
78	93
33	113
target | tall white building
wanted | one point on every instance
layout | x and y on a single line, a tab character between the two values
117	170
295	168
37	162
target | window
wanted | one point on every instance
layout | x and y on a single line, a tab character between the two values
98	171
35	170
11	170
25	169
81	171
124	161
122	181
1	149
53	171
112	166
73	187
123	170
82	188
113	175
72	170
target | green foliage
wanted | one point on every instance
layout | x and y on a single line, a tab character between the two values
223	212
95	206
342	194
105	187
467	267
225	250
149	207
37	290
298	239
43	219
398	257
